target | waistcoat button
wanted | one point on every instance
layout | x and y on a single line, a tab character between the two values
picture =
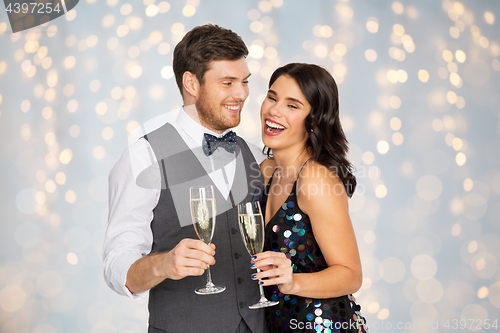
237	256
242	305
240	280
234	231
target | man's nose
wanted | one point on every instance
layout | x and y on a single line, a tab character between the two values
240	92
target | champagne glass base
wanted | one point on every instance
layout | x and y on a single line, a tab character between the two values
263	304
210	290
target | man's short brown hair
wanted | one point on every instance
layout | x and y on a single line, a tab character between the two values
202	45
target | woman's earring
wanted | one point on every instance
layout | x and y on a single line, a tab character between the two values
312	130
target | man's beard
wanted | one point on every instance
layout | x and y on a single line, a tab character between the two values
210	114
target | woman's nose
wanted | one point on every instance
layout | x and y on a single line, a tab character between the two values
275	110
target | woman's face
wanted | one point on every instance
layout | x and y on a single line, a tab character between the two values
283	115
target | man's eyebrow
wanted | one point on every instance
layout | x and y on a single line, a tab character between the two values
233	77
288	98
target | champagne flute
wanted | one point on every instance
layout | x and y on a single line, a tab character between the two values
252	231
203	213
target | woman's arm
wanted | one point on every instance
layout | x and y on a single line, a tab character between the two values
321	195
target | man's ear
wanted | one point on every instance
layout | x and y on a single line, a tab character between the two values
191	85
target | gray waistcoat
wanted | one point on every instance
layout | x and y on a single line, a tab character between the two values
173	305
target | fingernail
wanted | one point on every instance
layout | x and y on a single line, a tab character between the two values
254	257
252	265
261	282
254	276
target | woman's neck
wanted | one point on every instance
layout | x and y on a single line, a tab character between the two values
289	161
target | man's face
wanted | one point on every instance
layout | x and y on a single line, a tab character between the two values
221	97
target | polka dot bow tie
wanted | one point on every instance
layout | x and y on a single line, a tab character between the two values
211	143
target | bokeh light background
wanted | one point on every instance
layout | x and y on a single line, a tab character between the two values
420	103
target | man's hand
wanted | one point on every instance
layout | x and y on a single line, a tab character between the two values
189	257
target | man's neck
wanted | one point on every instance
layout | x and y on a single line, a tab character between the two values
193	114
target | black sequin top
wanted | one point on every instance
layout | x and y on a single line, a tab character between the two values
289	231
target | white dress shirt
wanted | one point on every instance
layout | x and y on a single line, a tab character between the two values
129	236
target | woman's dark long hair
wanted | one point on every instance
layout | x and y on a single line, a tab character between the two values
327	140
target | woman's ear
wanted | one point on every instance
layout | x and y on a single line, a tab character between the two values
191	85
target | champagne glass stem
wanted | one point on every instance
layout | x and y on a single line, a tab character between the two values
209	277
261	289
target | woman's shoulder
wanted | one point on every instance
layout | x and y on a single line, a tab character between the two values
318	180
267	168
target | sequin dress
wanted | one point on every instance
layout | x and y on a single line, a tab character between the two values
289	231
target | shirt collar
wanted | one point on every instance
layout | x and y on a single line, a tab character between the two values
194	129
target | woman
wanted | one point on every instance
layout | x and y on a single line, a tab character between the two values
312	262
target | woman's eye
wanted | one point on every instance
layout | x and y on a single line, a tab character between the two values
293	106
271	98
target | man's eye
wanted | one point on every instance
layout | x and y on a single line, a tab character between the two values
245	82
227	83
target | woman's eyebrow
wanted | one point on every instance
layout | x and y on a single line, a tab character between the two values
270	91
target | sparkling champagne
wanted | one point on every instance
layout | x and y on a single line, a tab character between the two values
252	232
203	213
251	226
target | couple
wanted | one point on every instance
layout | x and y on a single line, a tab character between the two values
310	263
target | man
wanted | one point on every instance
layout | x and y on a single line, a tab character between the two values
150	242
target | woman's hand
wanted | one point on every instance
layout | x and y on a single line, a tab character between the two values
277	268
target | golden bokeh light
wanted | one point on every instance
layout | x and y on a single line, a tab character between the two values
368	157
371	55
65	156
447	55
152	10
460	159
489	17
107	133
398	29
60	178
423	75
468	184
126	9
482	292
397	7
265	6
72	105
372	25
177	28
163	7
70	196
395	123
189	10
460	56
383	147
74	131
395	102
380	191
101	108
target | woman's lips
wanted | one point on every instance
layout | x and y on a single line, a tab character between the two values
273	128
